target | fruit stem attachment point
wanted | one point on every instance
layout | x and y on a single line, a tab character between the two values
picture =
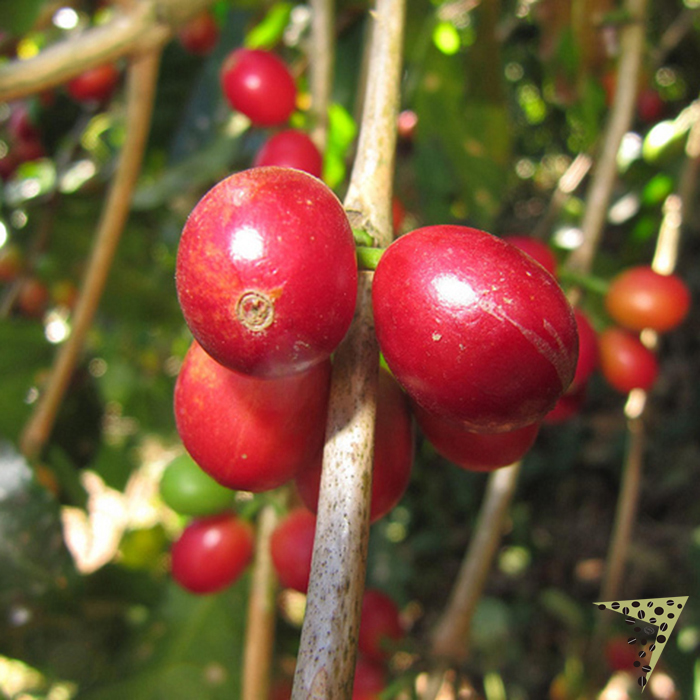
368	258
255	310
362	237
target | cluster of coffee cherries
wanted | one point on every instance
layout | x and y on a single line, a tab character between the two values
21	142
637	300
258	84
479	338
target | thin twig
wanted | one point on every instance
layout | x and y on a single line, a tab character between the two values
370	189
142	78
450	638
675	33
568	183
148	26
664	262
628	500
605	172
326	659
260	627
321	52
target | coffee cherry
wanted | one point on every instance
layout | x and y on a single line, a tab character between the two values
537	250
380	625
33	298
478	452
95	84
406	125
291	547
11	262
619	655
567	407
200	34
259	84
20	126
188	490
291	149
640	298
370	680
212	553
266	271
64	293
650	105
473	328
247	433
625	362
587	351
393	453
398	214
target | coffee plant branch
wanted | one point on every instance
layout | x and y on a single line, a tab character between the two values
632	42
326	660
146	26
141	85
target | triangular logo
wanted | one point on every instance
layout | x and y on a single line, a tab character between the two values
652	621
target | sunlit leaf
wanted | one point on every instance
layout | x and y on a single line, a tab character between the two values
267	33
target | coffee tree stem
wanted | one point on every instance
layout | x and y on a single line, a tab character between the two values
664	261
450	637
321	68
632	40
260	625
326	660
141	85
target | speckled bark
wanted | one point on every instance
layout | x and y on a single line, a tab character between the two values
327	656
326	661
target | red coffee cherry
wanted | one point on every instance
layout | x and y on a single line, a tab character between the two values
619	655
625	362
200	34
380	625
11	262
473	328
370	680
478	452
291	547
537	250
33	298
247	433
95	84
212	553
406	125
567	407
587	351
398	214
650	105
266	272
259	84
640	298
291	149
393	453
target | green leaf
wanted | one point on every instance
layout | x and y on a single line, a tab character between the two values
462	145
342	130
33	558
201	169
18	18
25	352
268	32
193	647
